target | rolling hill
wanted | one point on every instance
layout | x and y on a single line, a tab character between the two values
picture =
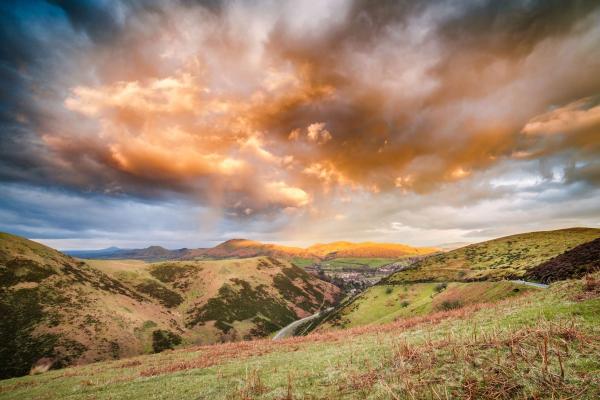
241	248
226	299
366	250
151	253
506	257
381	304
469	275
58	311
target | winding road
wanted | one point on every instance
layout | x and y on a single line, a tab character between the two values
537	285
289	330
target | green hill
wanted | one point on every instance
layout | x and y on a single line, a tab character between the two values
58	311
506	257
227	299
539	346
464	276
387	303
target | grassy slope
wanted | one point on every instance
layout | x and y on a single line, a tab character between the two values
413	289
542	345
496	259
302	262
57	307
245	298
386	303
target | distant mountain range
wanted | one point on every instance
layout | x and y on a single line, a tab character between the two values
243	248
152	253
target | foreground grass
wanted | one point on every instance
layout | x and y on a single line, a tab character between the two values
541	345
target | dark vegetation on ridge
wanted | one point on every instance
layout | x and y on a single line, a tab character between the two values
238	301
574	263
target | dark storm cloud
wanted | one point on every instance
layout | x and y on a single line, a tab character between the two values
24	58
100	20
466	120
38	42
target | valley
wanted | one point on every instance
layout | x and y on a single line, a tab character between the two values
350	266
487	350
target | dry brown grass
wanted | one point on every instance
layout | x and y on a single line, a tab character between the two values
526	363
591	284
252	386
211	355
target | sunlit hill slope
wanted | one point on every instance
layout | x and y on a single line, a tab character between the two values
58	311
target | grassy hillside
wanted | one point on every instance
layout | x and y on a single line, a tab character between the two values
510	256
541	345
58	311
227	299
460	277
387	303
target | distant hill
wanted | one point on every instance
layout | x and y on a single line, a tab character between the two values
152	253
243	248
109	251
240	248
366	250
57	311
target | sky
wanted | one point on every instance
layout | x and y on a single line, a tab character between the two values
185	123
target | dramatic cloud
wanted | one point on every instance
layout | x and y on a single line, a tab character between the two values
277	115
